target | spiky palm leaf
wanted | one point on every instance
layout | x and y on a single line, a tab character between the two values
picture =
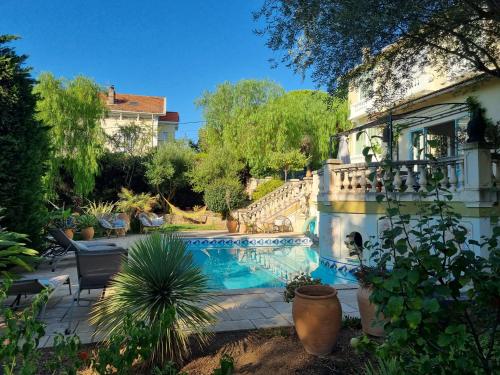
158	275
134	204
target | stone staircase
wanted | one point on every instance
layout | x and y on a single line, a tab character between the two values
290	200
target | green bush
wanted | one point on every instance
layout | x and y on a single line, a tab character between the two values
441	300
159	276
224	195
265	188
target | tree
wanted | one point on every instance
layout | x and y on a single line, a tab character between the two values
345	40
167	171
287	161
133	141
24	147
302	120
224	140
73	109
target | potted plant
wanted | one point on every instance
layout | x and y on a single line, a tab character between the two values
131	205
316	312
224	196
64	220
86	223
372	323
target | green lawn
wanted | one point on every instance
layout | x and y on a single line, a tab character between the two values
167	228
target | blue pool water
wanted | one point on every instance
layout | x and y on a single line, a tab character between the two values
263	267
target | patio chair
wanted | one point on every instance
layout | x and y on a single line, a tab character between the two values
111	225
95	268
150	221
35	286
61	244
282	224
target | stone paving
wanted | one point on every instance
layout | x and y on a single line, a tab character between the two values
240	309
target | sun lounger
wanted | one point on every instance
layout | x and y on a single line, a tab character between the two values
35	286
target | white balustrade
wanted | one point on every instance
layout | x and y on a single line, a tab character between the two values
404	177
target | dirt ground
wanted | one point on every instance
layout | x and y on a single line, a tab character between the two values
276	351
266	351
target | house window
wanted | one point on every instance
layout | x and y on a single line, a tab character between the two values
439	141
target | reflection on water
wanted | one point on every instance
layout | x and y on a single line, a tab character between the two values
261	267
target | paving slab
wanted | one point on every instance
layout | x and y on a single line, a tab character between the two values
277	321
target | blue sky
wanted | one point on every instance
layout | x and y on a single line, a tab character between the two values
175	49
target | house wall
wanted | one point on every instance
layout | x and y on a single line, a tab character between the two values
486	91
166	131
335	226
113	121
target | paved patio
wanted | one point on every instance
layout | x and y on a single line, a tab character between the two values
241	309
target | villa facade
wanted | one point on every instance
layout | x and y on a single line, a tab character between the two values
149	112
434	108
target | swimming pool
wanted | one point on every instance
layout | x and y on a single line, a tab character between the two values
242	267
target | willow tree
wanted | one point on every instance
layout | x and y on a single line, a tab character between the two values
299	120
224	140
73	110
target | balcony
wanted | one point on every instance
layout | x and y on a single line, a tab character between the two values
360	108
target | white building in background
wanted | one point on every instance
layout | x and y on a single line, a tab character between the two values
433	109
149	112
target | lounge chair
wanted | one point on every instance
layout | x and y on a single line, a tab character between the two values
95	268
111	225
150	221
35	286
61	244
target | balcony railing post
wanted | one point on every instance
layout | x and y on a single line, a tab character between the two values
477	176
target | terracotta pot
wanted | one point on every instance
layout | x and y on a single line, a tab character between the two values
69	233
372	325
317	315
232	225
87	233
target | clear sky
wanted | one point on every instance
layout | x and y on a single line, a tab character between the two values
176	49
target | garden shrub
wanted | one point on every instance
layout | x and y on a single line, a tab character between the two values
20	334
24	148
119	170
159	276
224	196
265	188
14	252
442	301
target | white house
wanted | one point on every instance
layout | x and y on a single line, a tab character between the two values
434	108
149	112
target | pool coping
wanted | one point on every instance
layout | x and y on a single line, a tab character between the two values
226	292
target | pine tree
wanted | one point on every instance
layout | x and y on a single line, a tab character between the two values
24	147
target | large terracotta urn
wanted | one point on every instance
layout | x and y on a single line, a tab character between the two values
232	225
317	315
372	325
87	233
69	232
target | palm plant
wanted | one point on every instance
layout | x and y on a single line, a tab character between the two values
99	209
133	204
159	275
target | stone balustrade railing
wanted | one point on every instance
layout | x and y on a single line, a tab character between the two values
277	201
405	176
473	178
